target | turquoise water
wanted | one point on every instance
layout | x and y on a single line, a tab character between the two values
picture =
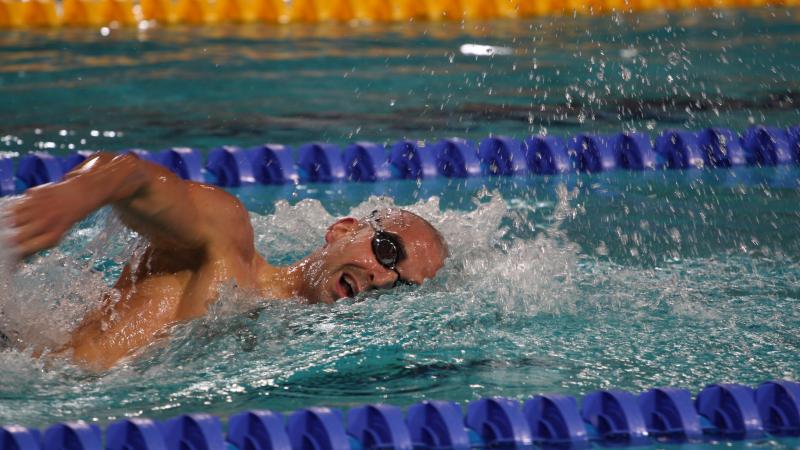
564	284
154	88
555	285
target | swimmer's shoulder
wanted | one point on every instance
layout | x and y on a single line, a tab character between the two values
224	214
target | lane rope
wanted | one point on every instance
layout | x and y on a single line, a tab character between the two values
94	13
607	418
231	166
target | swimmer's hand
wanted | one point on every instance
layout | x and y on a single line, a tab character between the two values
40	218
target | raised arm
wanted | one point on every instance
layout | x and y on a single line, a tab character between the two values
172	213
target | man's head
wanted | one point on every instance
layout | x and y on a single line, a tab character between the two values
387	248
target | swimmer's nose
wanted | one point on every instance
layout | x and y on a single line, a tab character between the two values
382	278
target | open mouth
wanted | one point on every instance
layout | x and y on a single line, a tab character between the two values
348	285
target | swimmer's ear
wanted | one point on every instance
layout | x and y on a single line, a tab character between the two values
340	228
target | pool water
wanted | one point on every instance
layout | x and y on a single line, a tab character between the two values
154	88
566	285
556	284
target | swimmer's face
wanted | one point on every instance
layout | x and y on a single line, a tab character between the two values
389	248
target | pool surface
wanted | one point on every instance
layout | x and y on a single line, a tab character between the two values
556	284
562	285
244	85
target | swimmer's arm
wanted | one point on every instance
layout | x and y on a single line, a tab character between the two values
171	212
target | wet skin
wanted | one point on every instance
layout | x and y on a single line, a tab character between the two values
199	236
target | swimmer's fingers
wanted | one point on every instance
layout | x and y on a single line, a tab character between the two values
36	244
38	202
24	220
39	219
21	215
25	231
10	212
35	235
24	209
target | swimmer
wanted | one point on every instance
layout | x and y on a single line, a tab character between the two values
200	236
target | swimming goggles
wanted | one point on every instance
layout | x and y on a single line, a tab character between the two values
387	248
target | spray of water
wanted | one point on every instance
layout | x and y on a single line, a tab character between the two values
47	296
43	299
538	295
6	266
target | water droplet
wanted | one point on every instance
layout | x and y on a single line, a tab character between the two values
625	73
673	58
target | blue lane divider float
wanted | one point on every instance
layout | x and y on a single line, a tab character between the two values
616	417
183	161
731	409
319	162
412	160
768	146
20	438
554	420
723	147
38	168
547	155
134	434
379	427
258	430
437	425
73	436
453	158
317	429
669	413
72	160
502	156
456	158
193	432
607	418
681	150
794	139
273	164
779	406
365	161
7	183
635	152
594	153
499	422
230	167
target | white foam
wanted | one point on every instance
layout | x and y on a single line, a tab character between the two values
6	253
521	275
50	293
44	297
6	263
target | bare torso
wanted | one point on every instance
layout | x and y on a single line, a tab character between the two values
176	279
161	289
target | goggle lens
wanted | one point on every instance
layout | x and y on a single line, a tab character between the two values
385	250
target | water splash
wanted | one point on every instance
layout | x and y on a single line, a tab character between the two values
537	296
44	298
